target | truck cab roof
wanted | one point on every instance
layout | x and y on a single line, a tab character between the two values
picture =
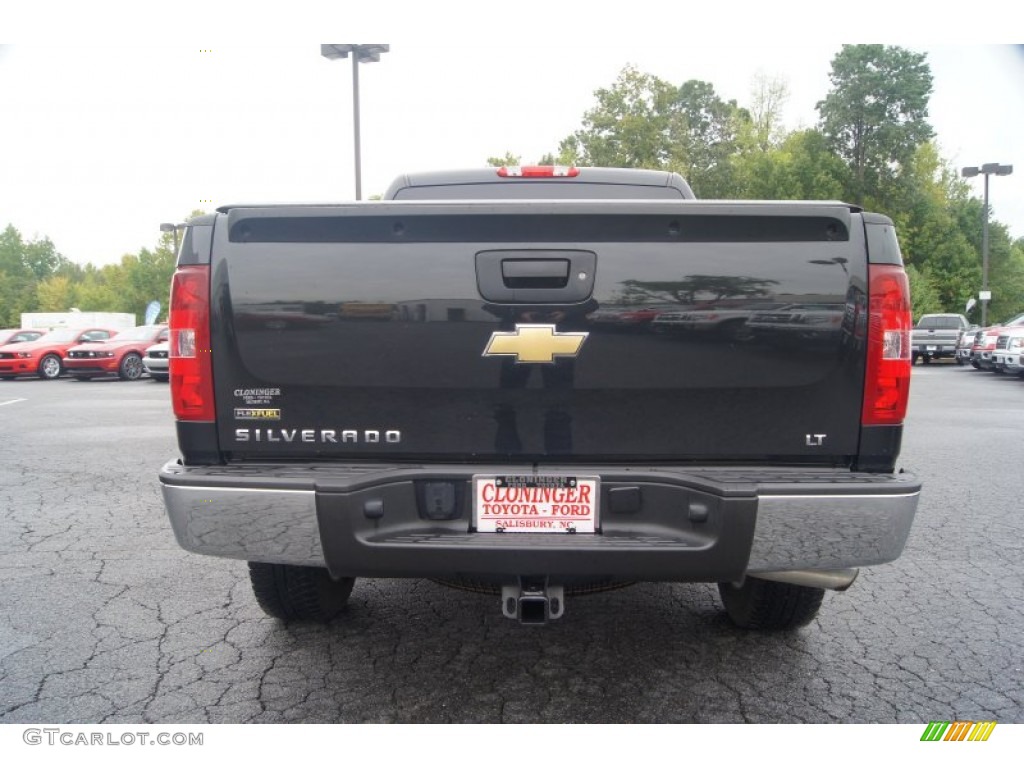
534	182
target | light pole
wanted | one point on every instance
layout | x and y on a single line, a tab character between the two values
986	170
165	227
362	53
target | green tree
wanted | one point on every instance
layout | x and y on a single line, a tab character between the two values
23	264
42	259
706	138
1005	274
34	277
924	296
148	276
642	121
632	125
15	278
875	115
954	254
767	99
930	234
8	294
802	167
818	173
55	294
1008	300
508	159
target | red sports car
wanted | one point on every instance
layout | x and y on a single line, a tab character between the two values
121	355
43	356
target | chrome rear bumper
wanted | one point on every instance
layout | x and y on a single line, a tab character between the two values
759	521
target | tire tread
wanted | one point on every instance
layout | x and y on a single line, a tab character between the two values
770	605
298	593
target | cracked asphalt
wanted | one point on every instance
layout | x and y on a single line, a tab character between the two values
104	619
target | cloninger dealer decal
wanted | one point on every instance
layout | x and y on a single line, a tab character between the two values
257	396
535	504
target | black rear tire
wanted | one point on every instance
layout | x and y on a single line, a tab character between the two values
298	592
770	605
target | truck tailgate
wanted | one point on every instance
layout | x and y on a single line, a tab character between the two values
675	331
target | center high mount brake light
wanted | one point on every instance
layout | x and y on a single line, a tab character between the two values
537	171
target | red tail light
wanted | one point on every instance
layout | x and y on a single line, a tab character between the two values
537	171
191	371
887	384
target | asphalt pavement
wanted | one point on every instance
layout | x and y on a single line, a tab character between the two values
104	619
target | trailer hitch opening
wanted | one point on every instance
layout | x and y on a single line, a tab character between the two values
532	600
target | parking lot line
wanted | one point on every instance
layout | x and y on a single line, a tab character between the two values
11	402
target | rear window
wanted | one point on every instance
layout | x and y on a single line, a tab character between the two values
941	323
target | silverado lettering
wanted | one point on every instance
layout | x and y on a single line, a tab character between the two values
734	416
318	435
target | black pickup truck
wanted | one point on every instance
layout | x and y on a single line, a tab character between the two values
431	386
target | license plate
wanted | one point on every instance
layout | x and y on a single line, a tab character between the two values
535	503
930	348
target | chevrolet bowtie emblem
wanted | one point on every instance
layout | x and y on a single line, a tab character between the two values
535	343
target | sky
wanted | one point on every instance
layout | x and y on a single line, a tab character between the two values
102	141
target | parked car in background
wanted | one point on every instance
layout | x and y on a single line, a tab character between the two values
986	339
983	347
1013	358
15	335
121	355
156	362
1006	356
964	344
936	336
44	356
